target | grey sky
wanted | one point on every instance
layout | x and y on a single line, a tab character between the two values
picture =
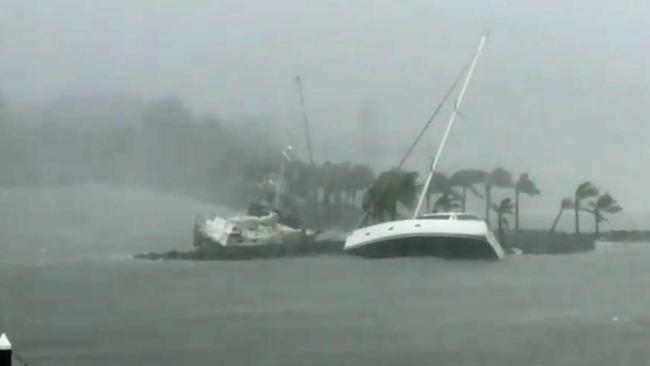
562	90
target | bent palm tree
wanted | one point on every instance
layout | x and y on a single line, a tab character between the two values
449	201
604	204
499	177
504	208
439	185
362	177
584	191
389	189
527	186
567	203
467	180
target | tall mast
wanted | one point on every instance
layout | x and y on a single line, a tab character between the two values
449	124
417	139
305	119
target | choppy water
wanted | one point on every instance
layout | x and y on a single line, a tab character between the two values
70	296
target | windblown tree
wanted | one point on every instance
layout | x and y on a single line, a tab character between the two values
361	178
439	185
605	203
566	204
502	209
524	185
500	178
450	200
467	181
584	191
341	182
326	181
389	189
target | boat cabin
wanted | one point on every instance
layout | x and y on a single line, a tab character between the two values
449	216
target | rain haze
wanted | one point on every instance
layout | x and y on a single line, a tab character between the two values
561	92
158	205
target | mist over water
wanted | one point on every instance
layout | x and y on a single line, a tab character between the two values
93	221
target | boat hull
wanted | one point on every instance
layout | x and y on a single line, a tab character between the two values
431	246
422	237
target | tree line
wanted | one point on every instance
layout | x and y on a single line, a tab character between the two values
447	193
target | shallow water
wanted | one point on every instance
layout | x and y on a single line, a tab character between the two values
83	302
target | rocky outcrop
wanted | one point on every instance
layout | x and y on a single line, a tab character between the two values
218	252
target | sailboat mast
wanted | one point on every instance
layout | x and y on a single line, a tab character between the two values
305	119
425	189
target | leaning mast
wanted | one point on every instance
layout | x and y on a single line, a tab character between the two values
449	124
305	119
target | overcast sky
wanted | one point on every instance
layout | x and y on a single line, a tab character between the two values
561	92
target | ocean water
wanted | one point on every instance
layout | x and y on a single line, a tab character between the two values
71	295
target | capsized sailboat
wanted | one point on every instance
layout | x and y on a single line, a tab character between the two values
263	225
452	235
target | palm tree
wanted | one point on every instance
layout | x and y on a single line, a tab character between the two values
504	208
439	185
361	178
566	204
527	186
605	203
326	182
449	200
499	177
584	191
389	189
467	180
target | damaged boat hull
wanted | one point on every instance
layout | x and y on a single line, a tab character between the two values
448	238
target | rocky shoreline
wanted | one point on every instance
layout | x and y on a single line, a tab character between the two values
528	241
232	253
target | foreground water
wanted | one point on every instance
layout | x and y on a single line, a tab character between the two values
70	295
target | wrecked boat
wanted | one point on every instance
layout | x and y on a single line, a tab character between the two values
259	234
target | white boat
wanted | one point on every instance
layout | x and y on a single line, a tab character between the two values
261	226
447	235
248	231
442	234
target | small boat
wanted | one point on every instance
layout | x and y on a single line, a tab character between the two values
265	231
447	235
248	231
250	237
457	235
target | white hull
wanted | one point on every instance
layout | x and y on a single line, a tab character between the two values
250	231
425	237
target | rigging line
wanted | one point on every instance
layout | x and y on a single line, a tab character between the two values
419	137
449	124
305	119
433	116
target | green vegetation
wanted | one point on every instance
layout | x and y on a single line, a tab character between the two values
584	191
566	204
502	209
391	188
604	204
524	185
499	178
587	199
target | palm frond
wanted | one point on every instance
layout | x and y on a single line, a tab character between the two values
505	207
500	178
567	203
476	192
586	190
526	185
468	177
